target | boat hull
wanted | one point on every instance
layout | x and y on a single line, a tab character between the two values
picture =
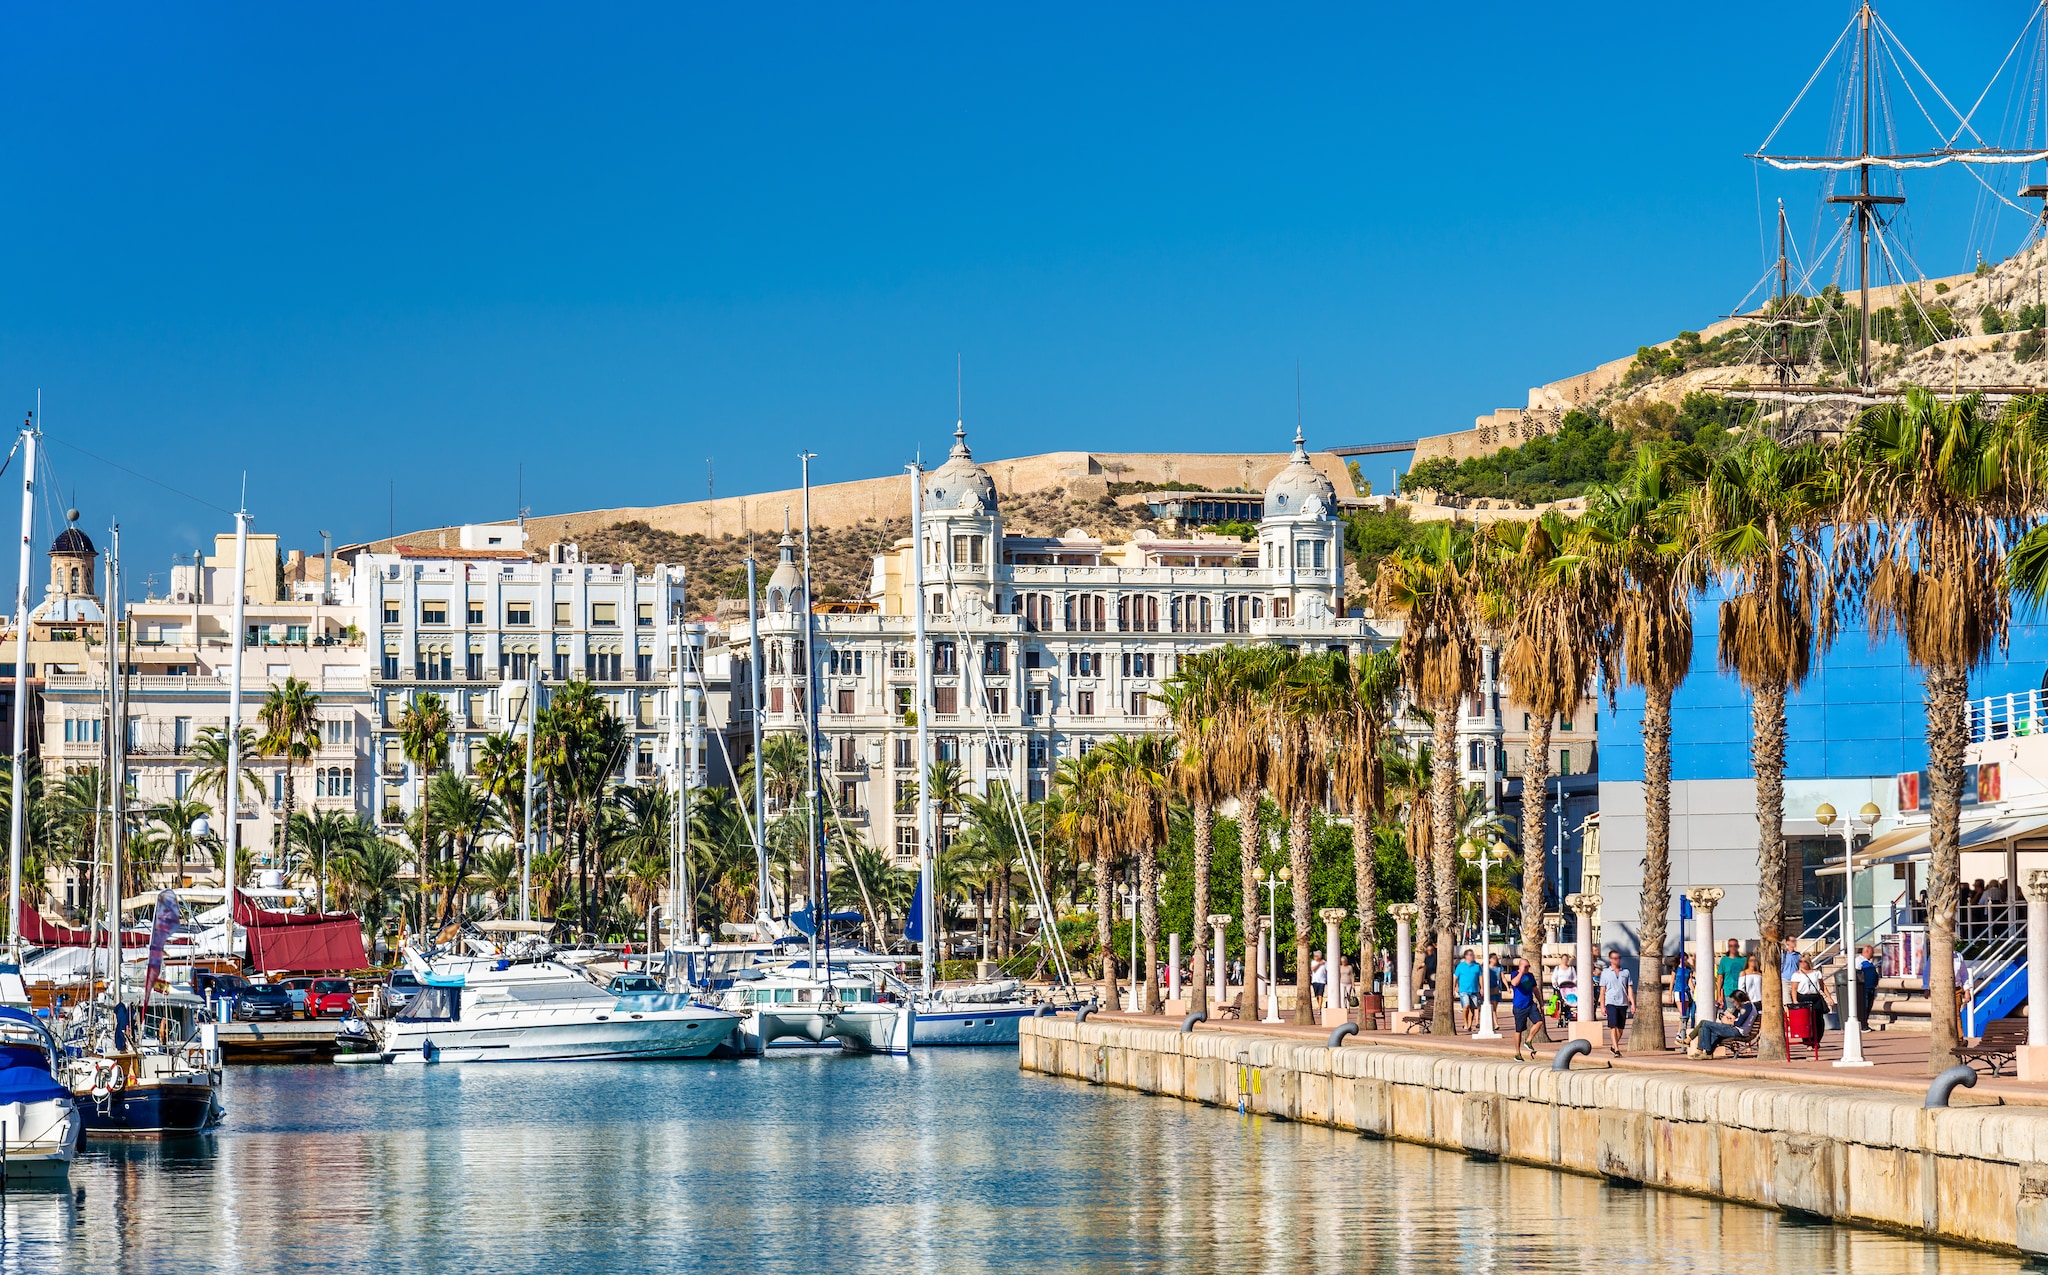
168	1109
868	1028
942	1024
619	1039
42	1137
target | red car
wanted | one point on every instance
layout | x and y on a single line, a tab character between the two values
330	997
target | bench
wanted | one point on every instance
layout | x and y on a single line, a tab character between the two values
1743	1046
1232	1008
1998	1046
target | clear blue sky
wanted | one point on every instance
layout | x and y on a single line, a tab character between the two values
347	246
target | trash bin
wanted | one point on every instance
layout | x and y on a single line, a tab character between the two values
1801	1028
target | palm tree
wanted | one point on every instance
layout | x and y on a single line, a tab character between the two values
1312	693
640	831
210	769
989	837
177	818
323	835
465	808
1355	739
1136	769
1242	748
583	744
369	875
1758	515
1435	585
1934	494
1087	821
1192	700
423	735
291	730
1652	578
498	871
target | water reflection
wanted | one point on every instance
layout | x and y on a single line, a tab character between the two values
946	1162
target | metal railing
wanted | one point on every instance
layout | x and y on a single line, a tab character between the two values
2008	716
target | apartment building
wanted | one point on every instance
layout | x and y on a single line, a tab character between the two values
476	625
1040	647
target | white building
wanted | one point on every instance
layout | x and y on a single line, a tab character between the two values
1040	646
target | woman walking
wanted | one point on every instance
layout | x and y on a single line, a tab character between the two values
1810	992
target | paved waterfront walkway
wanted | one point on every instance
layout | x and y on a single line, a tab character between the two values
1899	1058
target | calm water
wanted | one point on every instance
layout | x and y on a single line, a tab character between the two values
948	1162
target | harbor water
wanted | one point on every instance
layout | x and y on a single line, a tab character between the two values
946	1161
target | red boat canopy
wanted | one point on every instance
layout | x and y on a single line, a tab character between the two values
37	932
312	942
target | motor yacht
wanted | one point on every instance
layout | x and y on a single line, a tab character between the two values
484	1009
39	1121
794	1008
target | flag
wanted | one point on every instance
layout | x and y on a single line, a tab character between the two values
159	938
913	927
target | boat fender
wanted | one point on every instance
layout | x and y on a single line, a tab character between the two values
428	1051
1188	1024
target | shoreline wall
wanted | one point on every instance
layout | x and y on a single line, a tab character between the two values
1974	1175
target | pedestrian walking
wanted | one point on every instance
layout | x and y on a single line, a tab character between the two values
1467	974
1617	997
1681	989
1866	985
1319	982
1728	971
1810	992
1528	1014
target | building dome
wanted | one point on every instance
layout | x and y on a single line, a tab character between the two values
786	584
959	485
1288	495
72	540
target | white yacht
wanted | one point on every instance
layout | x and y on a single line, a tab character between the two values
496	1010
977	1014
38	1118
791	1008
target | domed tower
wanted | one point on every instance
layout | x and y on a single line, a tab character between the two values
74	563
963	531
786	582
1301	536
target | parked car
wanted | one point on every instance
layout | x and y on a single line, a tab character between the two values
399	989
215	988
298	987
264	1000
330	998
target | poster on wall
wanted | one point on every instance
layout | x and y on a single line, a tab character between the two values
1980	784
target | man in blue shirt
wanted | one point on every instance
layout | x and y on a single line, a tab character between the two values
1468	973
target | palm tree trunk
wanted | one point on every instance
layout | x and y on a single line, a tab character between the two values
1443	821
1948	734
1205	851
1654	906
1247	861
1365	872
1148	920
1300	862
426	842
1767	757
1105	931
1535	799
1421	827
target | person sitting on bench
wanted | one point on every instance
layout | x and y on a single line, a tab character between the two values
1734	1025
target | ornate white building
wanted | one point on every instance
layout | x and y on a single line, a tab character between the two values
1040	646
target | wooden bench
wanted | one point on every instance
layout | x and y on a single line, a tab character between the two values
1998	1046
1232	1008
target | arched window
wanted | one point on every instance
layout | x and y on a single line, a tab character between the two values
74	579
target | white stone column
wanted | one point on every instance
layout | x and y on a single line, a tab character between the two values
1706	988
1270	958
1333	998
1404	956
1173	966
1591	1021
1219	922
2033	1057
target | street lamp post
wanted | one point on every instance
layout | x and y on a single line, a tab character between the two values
1493	853
1272	882
1131	912
1852	1024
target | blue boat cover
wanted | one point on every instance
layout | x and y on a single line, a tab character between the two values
803	923
25	1075
913	924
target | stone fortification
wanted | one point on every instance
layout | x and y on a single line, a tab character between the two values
1970	1174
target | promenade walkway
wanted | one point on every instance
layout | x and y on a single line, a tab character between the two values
1898	1058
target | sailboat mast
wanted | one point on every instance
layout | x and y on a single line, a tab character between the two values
1863	202
18	802
817	883
232	784
117	749
526	820
922	666
755	669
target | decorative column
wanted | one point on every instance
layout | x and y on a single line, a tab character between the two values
1706	988
1271	960
1173	966
1333	999
1219	922
1590	1022
1404	956
2033	1059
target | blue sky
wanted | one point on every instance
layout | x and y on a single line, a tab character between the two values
381	249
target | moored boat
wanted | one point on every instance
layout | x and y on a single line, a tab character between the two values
39	1122
486	1010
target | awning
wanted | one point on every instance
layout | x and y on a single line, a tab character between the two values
286	941
1904	845
515	927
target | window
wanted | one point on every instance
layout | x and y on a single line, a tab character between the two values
967	551
995	657
902	701
1084	703
604	615
946	748
602	666
844	663
904	748
849	797
905	797
390	663
945	700
181	783
1034	703
473	667
277	789
998	701
433	666
517	666
476	613
1308	555
938	605
518	613
906	841
1564	723
899	658
944	658
433	612
1084	664
643	667
337	731
295	633
80	731
1032	657
1140	665
1564	763
1140	704
775	699
561	669
846	705
390	611
1477	761
1039	752
999	754
644	615
564	617
394	756
181	736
